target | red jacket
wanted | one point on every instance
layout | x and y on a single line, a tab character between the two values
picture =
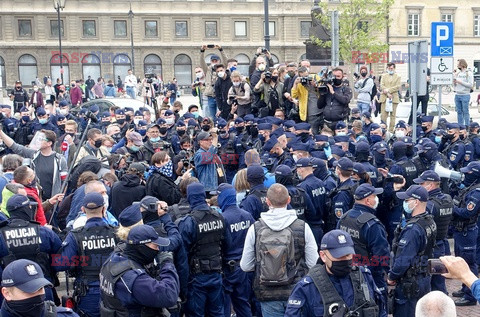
40	217
76	95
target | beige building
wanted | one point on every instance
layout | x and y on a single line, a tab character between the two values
411	21
167	36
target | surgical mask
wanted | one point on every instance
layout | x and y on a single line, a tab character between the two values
134	148
295	157
154	140
438	139
261	67
195	114
27	307
236	83
98	143
233	68
407	208
390	72
163	130
64	111
42	121
142	132
377	201
199	75
341	268
291	74
35	89
170	120
399	134
341	133
220	74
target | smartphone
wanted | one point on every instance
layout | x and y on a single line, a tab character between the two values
211	46
435	266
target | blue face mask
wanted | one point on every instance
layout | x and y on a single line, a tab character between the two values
233	68
195	114
134	148
406	208
142	132
438	139
155	139
42	121
375	138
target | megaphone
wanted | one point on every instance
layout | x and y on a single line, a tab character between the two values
446	173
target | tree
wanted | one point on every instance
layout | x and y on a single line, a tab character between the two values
361	23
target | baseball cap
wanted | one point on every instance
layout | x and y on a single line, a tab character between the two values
238	120
130	215
367	114
428	175
414	191
380	146
359	168
344	163
303	162
214	57
41	111
340	125
203	136
270	144
93	200
474	125
471	167
302	126
366	190
18	201
264	126
120	112
283	170
147	201
339	243
255	171
427	119
25	275
136	138
144	234
453	125
362	147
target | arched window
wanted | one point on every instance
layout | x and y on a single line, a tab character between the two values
3	77
183	69
121	65
243	64
275	59
152	64
55	69
27	69
91	67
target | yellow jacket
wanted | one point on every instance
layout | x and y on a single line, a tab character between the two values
392	83
300	92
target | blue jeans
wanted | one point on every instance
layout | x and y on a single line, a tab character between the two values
273	308
461	106
363	107
211	108
131	92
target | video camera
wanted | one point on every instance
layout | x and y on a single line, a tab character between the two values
149	77
326	79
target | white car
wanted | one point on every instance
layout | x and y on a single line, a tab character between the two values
404	109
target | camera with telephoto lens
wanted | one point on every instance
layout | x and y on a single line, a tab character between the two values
268	75
356	75
149	77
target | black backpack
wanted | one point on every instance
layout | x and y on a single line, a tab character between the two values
88	163
373	93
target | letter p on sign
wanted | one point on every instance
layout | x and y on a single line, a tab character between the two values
442	34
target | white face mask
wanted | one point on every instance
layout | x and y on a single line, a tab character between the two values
399	134
295	157
64	111
377	201
136	121
236	84
170	120
199	75
261	67
220	74
35	89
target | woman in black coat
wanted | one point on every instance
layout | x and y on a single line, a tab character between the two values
160	182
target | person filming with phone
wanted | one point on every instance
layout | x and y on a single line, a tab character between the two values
459	269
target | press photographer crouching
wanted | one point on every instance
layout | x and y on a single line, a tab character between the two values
335	99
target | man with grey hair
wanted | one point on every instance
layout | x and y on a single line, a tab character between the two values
435	304
281	225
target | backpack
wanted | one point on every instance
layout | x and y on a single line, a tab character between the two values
275	255
88	163
373	93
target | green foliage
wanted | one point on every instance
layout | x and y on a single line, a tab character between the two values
361	23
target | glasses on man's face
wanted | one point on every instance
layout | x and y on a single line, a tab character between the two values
45	139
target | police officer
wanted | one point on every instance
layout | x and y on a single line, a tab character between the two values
24	129
334	287
465	216
469	147
441	207
9	123
91	244
23	238
321	172
236	282
403	166
299	200
23	286
341	198
276	152
127	288
473	137
381	157
368	234
255	200
203	233
413	245
227	150
427	127
315	189
43	122
362	155
19	96
452	147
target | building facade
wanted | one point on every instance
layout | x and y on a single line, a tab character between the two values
167	36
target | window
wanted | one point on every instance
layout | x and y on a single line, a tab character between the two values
243	64
447	17
271	28
120	28
27	69
55	68
211	29
240	28
25	28
3	78
151	29
91	66
54	28
181	29
89	29
152	64
476	25
305	28
121	65
183	69
414	24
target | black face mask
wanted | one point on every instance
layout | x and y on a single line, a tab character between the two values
181	132
140	253
128	117
120	121
291	74
18	88
239	129
205	127
364	74
71	134
449	136
341	268
379	158
274	78
26	307
254	132
337	82
163	130
304	136
25	213
117	137
424	128
98	143
462	136
470	178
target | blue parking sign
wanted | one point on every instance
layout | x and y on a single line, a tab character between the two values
442	39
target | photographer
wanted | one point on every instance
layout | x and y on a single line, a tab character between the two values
198	87
305	90
334	102
148	91
222	86
363	86
271	89
239	94
184	159
287	88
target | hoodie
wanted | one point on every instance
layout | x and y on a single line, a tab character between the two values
277	219
196	196
125	192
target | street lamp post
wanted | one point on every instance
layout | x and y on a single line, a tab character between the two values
130	16
59	5
267	25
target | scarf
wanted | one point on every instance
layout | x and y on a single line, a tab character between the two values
166	170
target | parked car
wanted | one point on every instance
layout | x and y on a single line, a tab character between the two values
404	109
